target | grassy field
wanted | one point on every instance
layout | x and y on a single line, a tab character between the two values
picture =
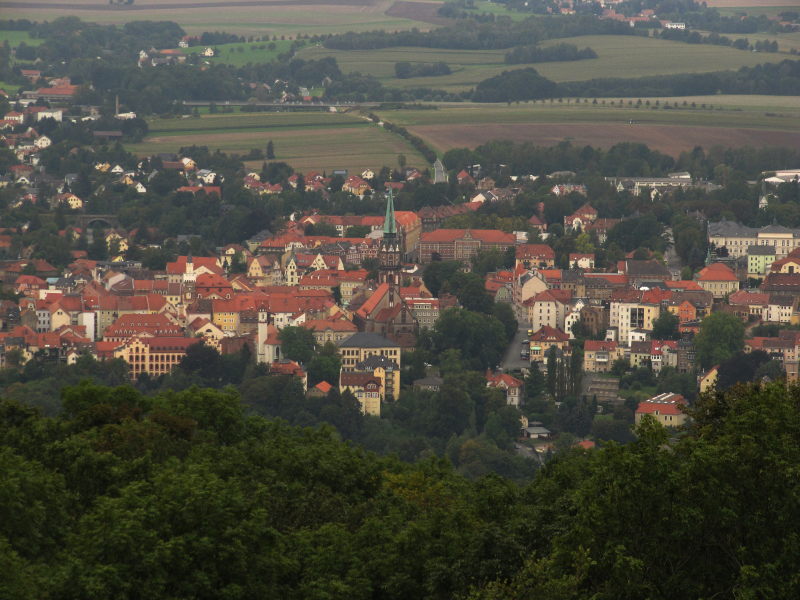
483	6
247	52
304	140
14	38
280	17
10	88
618	56
733	121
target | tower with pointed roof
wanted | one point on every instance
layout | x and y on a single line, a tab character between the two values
389	254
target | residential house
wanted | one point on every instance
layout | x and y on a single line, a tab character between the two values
718	279
534	256
545	338
665	408
511	387
599	355
583	261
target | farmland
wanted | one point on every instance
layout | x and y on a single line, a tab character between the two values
734	121
242	17
304	140
628	56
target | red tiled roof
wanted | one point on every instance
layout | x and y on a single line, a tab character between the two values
670	406
716	272
524	251
366	309
599	346
549	334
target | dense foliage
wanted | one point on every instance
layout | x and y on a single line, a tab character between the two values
182	496
406	70
534	54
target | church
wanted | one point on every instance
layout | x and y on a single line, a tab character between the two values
384	311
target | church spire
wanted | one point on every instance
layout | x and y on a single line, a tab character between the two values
389	223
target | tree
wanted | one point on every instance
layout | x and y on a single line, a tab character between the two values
270	150
665	327
481	339
325	365
203	361
438	273
297	343
721	336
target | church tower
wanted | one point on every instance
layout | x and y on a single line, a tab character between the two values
390	253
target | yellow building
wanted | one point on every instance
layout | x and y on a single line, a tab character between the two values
154	356
665	408
366	388
373	354
708	380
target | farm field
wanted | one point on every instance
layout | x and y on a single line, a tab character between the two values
670	131
304	140
628	56
242	17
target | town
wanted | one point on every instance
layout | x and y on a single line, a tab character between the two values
365	299
373	289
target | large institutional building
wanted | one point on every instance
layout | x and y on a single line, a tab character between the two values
738	238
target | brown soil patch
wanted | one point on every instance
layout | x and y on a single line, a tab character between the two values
418	11
670	139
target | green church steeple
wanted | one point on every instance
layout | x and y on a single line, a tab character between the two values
389	224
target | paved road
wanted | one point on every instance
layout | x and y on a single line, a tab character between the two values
439	173
671	257
512	360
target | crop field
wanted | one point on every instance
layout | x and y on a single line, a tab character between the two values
757	121
242	17
627	56
304	140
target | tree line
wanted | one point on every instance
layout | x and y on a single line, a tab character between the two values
558	52
183	495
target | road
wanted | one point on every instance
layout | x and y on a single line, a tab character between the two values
439	173
512	360
671	257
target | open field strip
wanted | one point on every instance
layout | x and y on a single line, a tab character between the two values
671	130
618	56
304	140
281	17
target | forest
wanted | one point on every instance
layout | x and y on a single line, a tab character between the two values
188	495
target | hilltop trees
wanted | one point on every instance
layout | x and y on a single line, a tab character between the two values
181	496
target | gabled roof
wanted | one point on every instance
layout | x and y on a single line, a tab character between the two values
599	346
717	272
549	334
367	340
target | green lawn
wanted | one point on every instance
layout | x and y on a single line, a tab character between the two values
618	56
14	38
769	11
483	6
10	88
320	141
241	54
